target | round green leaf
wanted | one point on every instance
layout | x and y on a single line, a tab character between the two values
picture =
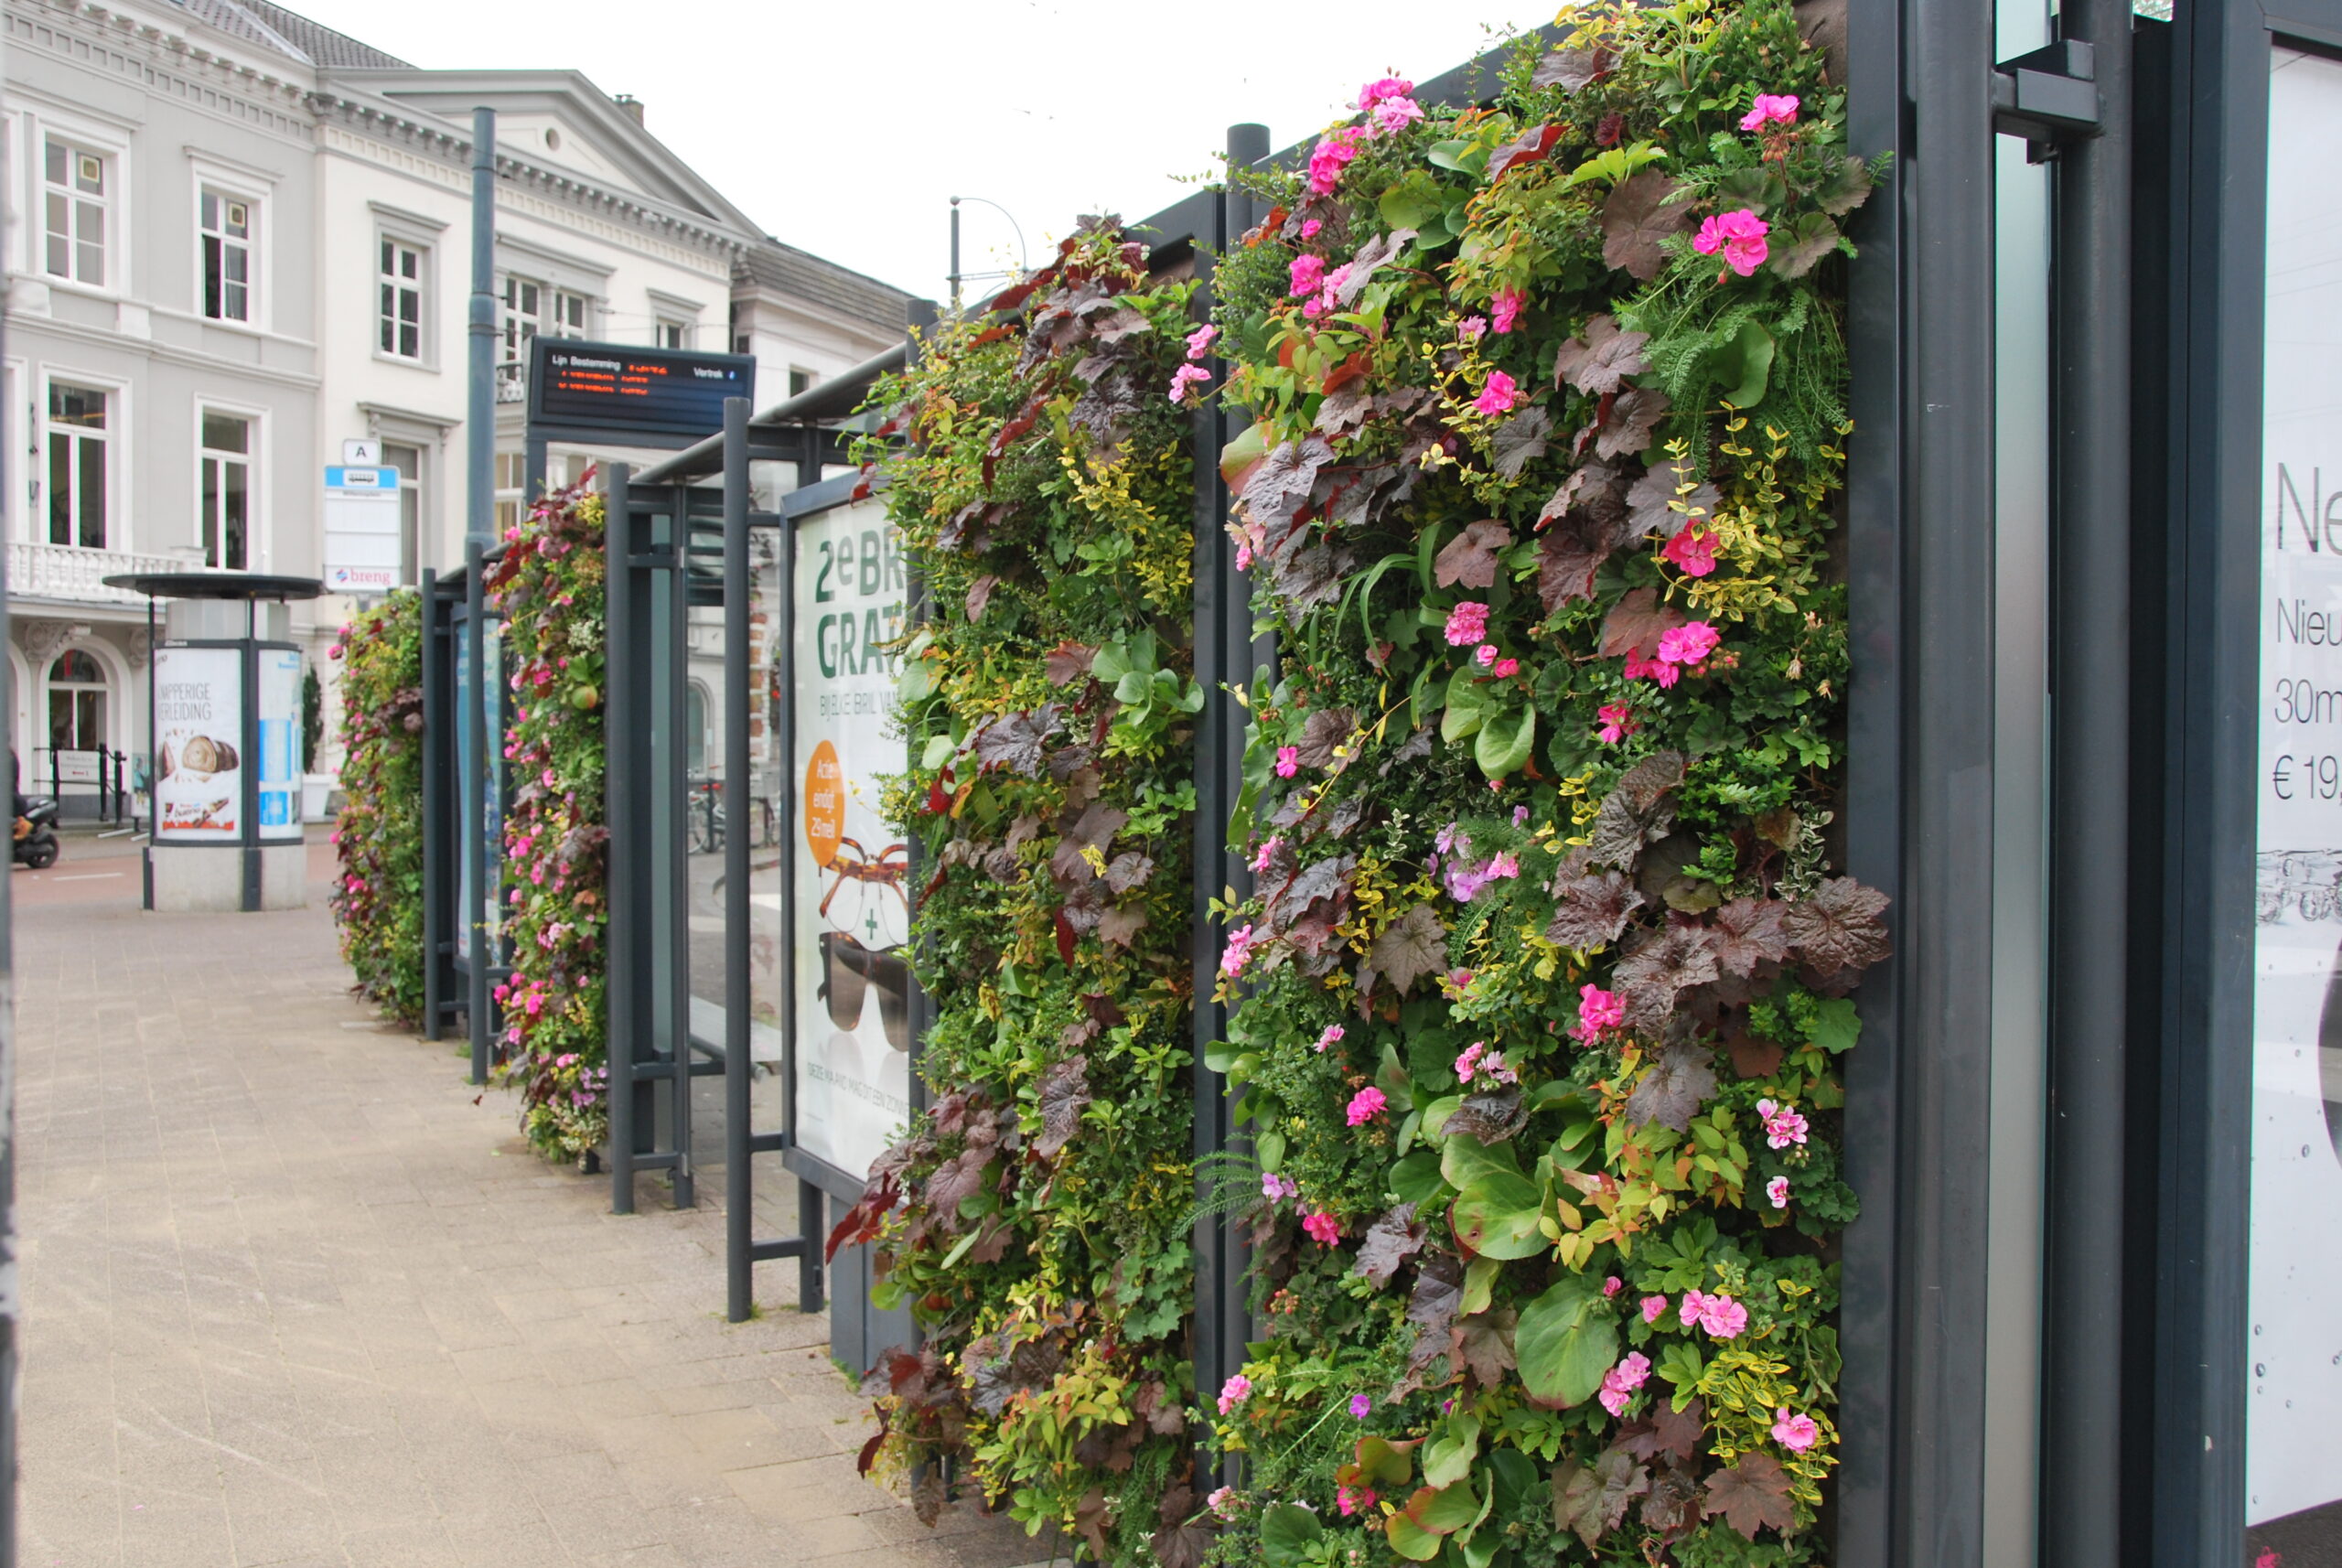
1497	1217
1566	1342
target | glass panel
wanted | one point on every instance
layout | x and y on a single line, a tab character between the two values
234	513
70	404
2293	1357
88	252
60	490
209	205
211	512
390	319
76	665
60	238
211	270
225	432
91	508
57	162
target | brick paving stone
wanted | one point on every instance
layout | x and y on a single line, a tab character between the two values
297	1296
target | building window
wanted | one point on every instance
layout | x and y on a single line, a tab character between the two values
408	461
227	491
801	381
77	702
568	315
77	466
523	318
672	334
740	342
402	294
75	181
227	223
512	487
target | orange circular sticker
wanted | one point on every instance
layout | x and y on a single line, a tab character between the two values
824	804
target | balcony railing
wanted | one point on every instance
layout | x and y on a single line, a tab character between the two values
512	383
38	571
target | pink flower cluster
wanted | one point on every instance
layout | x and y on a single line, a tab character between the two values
1501	393
1390	105
1617	723
1598	1011
1769	107
1795	1432
1504	309
1464	879
1692	552
1620	1383
1288	761
1739	235
1468	623
1277	1188
1331	157
1478	1060
1333	1033
1354	1499
1267	852
1783	1127
1680	648
1777	1191
1722	1317
1233	1393
1366	1105
1185	382
1239	952
1486	657
1323	1227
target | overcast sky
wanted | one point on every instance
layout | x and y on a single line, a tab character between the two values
845	128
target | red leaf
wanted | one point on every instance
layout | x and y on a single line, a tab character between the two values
990	335
1751	1495
1530	147
1065	938
869	1454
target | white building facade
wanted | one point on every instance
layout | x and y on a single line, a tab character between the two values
243	238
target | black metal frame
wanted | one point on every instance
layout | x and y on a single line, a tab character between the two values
453	607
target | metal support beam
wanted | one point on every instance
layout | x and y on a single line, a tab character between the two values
471	807
739	1187
622	790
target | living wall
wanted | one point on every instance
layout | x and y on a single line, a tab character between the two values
1036	1218
1542	997
547	585
377	838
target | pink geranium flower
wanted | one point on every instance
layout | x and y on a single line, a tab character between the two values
1392	115
1504	309
1688	644
1652	1307
1323	1227
1199	341
1233	1393
1309	230
1365	1106
1499	395
1472	328
1783	1127
1598	1010
1267	852
1771	106
1692	552
1722	1317
1612	1285
1468	623
1238	952
1485	655
1795	1432
1288	761
1388	87
1504	668
1620	1383
1659	670
1777	1191
1185	380
1307	273
1329	157
1739	235
1276	1187
1617	723
1333	1033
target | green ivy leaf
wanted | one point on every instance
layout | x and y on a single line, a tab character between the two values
1566	1342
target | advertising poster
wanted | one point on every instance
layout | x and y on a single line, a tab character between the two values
363	524
853	907
199	745
2293	1481
280	743
488	812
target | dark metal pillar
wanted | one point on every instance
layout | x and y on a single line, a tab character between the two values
471	808
621	791
435	935
740	1187
248	806
2090	894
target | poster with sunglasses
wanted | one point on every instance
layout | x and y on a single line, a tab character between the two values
852	907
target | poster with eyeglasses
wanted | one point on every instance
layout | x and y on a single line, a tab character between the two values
2294	1377
851	903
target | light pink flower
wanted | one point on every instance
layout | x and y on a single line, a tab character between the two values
1695	1301
1739	235
1612	1285
1519	815
1393	115
1465	881
1199	341
1504	309
1331	155
1333	1033
1470	1060
1323	1227
1472	328
1233	1393
1771	106
1186	378
1274	1186
1659	670
1507	864
1307	273
1692	552
1722	1317
1288	761
1468	623
1620	1383
1217	1499
1598	1010
1388	87
1778	1190
1238	952
1652	1307
1243	557
1505	668
1485	655
1783	1127
1267	852
1499	395
1687	644
1795	1432
1309	229
1366	1105
1617	723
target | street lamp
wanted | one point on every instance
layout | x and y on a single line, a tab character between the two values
957	277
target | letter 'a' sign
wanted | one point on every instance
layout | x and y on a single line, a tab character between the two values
662	394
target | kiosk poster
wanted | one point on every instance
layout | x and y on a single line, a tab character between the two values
2293	1483
199	745
852	907
280	743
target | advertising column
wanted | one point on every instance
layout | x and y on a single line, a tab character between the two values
198	741
851	909
2293	1479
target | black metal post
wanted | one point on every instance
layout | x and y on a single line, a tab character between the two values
2090	894
9	1299
621	803
674	997
437	938
154	783
739	1187
249	654
471	806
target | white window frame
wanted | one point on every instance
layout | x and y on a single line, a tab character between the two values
390	276
216	221
510	480
40	117
424	236
20	450
255	490
571	315
231	184
115	441
519	316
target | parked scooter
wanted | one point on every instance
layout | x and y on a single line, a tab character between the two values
36	833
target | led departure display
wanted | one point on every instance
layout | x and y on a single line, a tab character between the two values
617	388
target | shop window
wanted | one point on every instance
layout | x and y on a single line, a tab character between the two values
227	224
400	280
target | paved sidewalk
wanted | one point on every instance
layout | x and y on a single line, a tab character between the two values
294	1297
